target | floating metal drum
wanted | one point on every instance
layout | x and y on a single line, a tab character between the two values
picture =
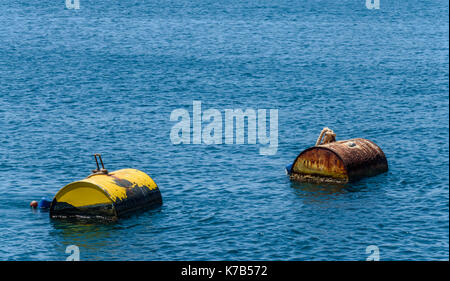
339	162
106	195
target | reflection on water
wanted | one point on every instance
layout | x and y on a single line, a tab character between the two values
317	193
318	188
82	232
94	234
304	189
322	193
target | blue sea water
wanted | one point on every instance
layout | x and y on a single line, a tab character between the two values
105	78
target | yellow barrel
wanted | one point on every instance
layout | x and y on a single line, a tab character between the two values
106	195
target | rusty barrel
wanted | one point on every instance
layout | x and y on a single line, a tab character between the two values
106	195
339	162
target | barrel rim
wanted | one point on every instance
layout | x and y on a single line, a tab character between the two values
84	182
79	182
311	148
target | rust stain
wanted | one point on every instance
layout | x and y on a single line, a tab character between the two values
320	162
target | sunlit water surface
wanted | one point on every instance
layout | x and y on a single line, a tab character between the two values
106	77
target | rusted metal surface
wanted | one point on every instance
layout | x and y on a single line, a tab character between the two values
339	162
98	170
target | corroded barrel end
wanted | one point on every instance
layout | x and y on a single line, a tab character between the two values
339	162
